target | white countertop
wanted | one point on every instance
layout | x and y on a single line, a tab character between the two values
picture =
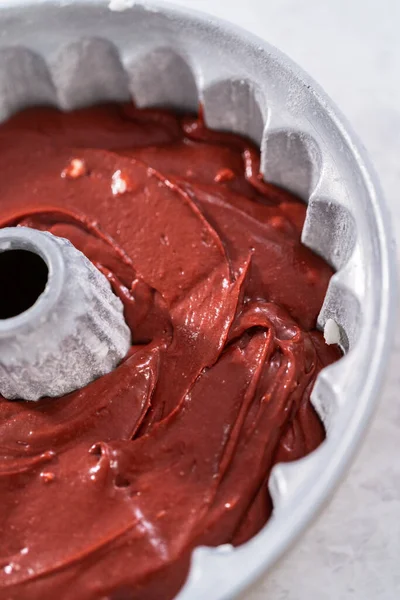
352	48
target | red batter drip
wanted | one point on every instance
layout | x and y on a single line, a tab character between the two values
105	492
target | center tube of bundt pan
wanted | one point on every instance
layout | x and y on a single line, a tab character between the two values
61	325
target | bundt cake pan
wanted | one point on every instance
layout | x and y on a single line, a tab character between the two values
75	53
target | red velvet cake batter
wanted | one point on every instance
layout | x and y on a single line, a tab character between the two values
106	491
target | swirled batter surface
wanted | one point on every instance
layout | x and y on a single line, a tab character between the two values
105	492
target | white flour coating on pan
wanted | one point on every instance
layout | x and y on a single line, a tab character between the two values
331	332
121	5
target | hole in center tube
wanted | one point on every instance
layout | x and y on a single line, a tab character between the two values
23	277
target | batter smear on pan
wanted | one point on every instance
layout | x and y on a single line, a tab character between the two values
106	491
